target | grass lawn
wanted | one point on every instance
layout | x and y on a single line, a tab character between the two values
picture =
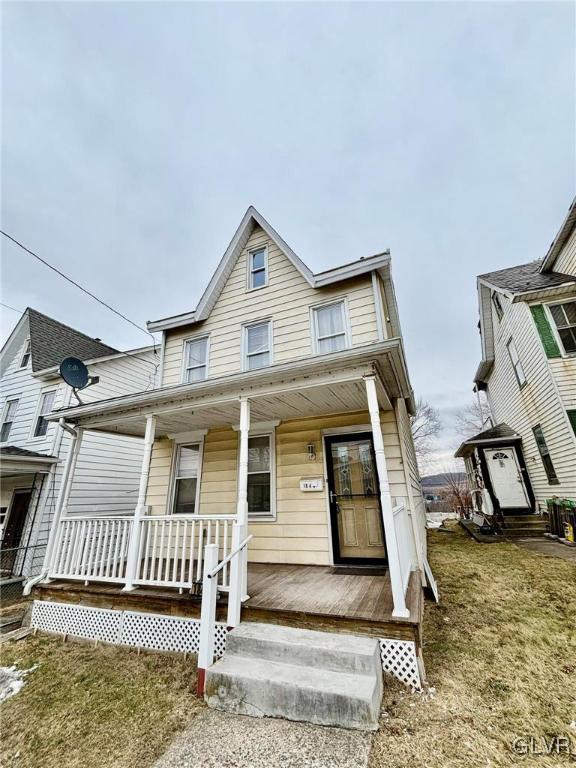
500	649
87	707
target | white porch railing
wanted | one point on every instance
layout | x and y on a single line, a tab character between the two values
92	548
403	541
170	549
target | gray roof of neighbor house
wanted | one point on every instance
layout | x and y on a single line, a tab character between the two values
52	341
13	450
525	277
493	434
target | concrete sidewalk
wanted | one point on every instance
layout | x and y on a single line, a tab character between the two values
548	547
220	740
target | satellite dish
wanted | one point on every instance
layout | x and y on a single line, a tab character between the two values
74	372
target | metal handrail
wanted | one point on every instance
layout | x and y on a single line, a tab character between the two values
227	559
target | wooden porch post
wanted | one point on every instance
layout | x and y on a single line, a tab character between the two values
63	496
133	546
398	596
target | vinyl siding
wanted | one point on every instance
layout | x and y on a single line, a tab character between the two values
300	533
108	469
566	261
286	299
538	402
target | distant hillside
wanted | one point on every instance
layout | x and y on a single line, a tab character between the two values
436	481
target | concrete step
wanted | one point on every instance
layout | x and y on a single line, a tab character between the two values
525	522
524	532
307	648
246	685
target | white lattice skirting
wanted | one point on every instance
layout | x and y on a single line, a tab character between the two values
132	628
172	633
399	660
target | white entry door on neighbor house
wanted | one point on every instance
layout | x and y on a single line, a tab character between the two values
506	477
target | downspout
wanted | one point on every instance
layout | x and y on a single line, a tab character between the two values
61	496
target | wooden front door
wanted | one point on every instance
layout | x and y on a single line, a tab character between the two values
14	529
356	517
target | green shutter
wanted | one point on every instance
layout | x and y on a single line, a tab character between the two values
572	417
545	331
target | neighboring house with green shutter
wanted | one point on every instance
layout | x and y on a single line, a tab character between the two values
528	372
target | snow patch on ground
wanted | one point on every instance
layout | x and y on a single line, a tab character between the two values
12	680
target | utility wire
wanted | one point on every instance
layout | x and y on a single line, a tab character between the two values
20	311
92	296
85	290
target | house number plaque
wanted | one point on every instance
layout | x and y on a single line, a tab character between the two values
311	484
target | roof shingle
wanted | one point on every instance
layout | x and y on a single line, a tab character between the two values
526	277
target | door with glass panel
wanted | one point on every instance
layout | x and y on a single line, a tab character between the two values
356	517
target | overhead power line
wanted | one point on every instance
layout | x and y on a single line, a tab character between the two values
92	296
20	311
70	280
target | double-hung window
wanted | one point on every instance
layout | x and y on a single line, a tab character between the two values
196	359
330	328
545	455
516	364
9	416
46	406
564	316
186	479
26	355
497	305
257	345
261	476
257	268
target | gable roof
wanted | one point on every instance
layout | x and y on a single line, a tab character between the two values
525	278
51	341
250	220
492	435
558	243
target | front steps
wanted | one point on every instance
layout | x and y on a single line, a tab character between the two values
316	677
523	526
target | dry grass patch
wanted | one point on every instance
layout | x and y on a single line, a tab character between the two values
500	650
87	707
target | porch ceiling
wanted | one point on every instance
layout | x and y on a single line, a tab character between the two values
348	396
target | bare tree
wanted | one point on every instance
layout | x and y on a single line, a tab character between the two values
426	425
472	418
458	491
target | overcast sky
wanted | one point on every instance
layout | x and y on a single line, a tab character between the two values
135	135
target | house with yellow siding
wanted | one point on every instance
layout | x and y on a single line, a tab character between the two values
279	484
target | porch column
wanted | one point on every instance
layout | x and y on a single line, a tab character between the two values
63	495
398	596
134	544
241	529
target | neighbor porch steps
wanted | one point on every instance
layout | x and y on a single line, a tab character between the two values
298	674
522	526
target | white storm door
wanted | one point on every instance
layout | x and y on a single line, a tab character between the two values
506	477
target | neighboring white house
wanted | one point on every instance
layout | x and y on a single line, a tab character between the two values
31	448
528	372
279	456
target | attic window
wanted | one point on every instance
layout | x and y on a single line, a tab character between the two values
257	269
25	356
497	306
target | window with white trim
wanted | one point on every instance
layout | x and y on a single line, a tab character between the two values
10	410
330	333
186	479
26	355
46	406
257	268
545	455
497	305
196	359
516	364
260	477
257	345
564	316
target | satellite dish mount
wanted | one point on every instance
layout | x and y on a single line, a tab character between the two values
75	374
